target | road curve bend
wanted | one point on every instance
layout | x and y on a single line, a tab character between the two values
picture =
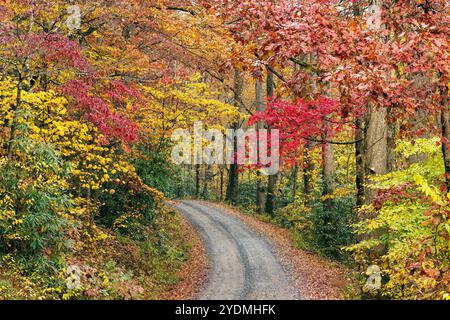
242	265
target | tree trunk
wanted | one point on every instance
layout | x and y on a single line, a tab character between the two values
260	191
376	147
420	119
207	179
233	184
294	181
221	184
390	161
272	179
359	157
445	125
328	173
197	180
308	167
233	174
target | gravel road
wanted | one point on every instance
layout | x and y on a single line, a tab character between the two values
242	264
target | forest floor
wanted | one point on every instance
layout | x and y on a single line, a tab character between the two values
253	259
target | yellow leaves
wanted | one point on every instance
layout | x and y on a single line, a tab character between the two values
127	221
181	104
100	236
6	215
78	211
373	225
17	222
418	146
432	192
92	164
8	92
3	161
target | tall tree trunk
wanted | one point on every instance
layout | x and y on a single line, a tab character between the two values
360	149
197	180
359	157
272	179
271	194
328	173
233	173
207	179
260	190
445	125
308	168
221	184
233	184
376	147
420	119
391	130
294	180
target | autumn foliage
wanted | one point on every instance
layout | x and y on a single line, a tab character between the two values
358	90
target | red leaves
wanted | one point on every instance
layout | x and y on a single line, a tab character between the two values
99	111
297	122
57	48
369	66
52	48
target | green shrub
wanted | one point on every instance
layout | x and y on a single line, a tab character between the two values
332	229
34	202
324	228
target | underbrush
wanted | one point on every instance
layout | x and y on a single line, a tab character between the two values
116	267
325	228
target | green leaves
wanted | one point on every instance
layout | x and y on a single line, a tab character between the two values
406	228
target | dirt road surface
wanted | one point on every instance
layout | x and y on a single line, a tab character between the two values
242	264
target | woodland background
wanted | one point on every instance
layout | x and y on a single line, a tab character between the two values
86	117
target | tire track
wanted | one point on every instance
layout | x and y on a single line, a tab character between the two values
242	264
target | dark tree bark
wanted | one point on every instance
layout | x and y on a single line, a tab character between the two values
221	184
445	126
294	180
197	180
391	145
359	157
308	167
260	190
328	174
233	184
233	173
207	179
272	179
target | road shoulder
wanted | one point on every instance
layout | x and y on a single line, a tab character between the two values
193	273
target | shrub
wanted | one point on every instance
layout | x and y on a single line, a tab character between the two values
331	226
33	205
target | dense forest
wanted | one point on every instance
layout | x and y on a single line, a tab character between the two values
92	91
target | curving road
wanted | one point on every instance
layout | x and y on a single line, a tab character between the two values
242	263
